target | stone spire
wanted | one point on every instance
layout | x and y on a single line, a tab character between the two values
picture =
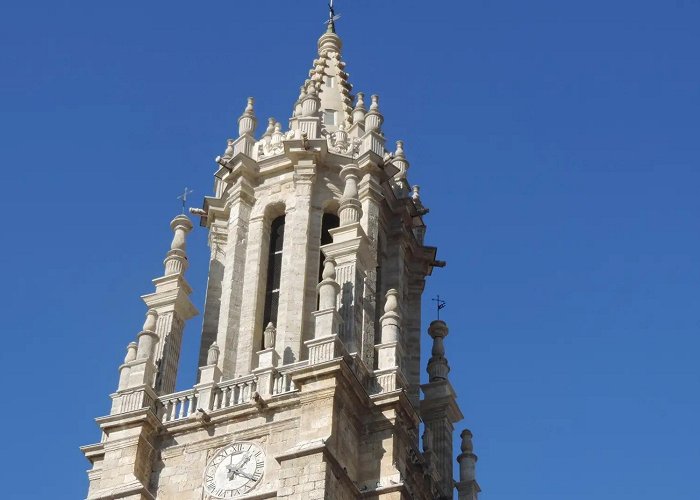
467	487
330	83
439	408
173	307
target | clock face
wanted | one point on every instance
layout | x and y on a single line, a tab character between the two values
234	470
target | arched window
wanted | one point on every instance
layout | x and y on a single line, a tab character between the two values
274	269
329	222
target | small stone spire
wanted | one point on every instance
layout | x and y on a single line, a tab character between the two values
176	259
437	366
327	321
147	338
374	119
277	136
350	210
359	112
230	143
270	127
247	121
467	487
124	368
310	104
400	161
297	105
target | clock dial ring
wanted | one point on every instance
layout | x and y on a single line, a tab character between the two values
234	470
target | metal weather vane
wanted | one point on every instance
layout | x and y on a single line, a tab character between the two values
440	304
183	197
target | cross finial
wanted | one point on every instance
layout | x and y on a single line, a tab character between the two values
183	197
332	18
440	304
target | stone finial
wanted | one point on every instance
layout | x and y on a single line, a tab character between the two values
270	127
130	352
350	210
374	119
213	354
399	150
124	369
277	135
176	259
467	459
329	42
415	195
359	112
311	103
149	325
400	161
269	336
391	317
147	338
229	148
328	288
297	105
247	121
437	365
467	445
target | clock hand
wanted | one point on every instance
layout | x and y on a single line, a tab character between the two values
245	475
235	469
232	469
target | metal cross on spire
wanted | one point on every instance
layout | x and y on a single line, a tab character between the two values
332	18
440	305
183	197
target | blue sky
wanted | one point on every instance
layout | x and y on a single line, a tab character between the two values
556	144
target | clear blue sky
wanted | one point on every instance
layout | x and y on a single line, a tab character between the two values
556	143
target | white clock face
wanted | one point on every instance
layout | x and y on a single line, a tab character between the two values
234	470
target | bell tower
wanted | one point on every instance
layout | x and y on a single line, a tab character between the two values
309	376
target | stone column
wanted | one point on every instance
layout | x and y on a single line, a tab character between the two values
240	203
172	303
218	237
252	299
370	194
439	409
467	487
350	250
296	265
